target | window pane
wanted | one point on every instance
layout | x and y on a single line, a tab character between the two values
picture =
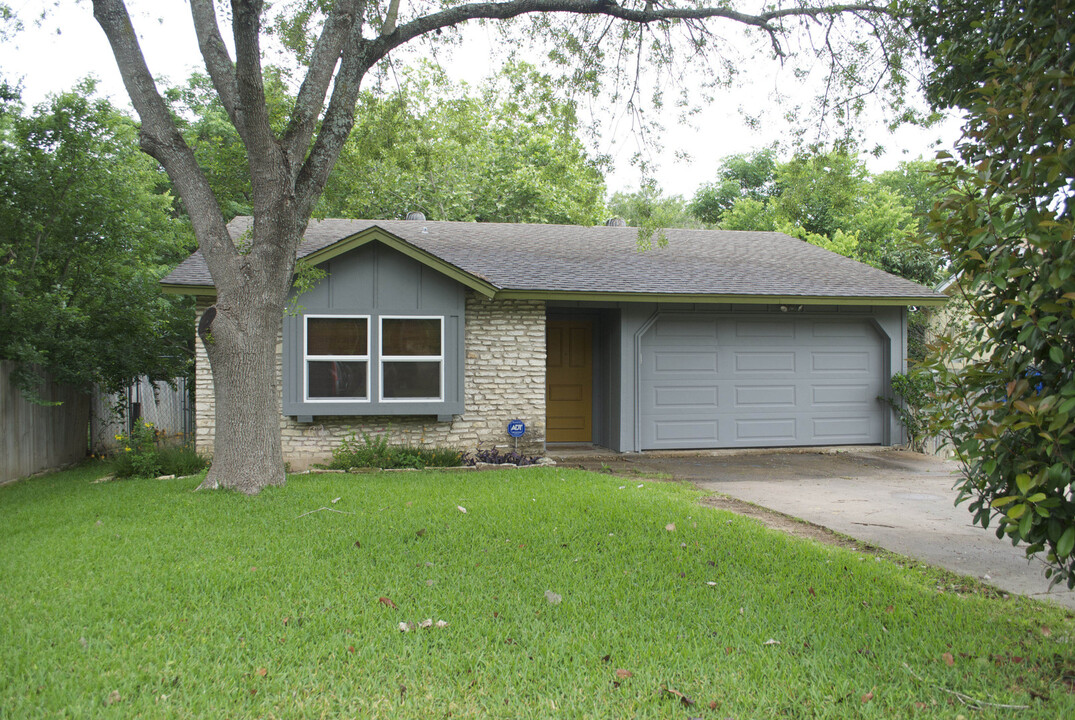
410	337
336	336
337	379
411	380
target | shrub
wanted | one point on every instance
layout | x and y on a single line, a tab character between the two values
911	391
493	456
375	452
142	455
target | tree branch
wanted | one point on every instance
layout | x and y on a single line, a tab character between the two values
161	139
215	55
341	23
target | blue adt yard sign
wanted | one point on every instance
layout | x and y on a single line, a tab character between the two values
516	428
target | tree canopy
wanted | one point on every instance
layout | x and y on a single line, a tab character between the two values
1005	377
86	231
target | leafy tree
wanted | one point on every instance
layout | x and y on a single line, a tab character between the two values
648	207
1007	226
85	234
828	198
507	153
340	42
740	177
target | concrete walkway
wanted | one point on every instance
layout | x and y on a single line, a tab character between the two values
901	501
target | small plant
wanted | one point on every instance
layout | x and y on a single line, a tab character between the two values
375	452
911	403
493	456
141	454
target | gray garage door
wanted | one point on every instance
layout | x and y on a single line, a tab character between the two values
711	381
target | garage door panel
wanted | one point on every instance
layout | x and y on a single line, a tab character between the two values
680	360
764	396
681	397
691	433
737	382
765	362
772	429
841	362
764	329
822	395
844	429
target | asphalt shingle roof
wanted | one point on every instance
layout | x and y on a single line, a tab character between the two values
567	258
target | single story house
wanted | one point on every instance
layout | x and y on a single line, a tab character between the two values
440	333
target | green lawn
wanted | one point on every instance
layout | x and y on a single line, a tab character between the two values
143	598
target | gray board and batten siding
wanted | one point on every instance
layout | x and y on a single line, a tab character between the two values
374	281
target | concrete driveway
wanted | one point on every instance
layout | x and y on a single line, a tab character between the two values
894	499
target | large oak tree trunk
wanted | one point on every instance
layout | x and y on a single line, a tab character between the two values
240	333
247	453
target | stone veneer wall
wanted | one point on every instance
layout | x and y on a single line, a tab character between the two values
504	379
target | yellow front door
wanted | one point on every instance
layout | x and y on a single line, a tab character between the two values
569	381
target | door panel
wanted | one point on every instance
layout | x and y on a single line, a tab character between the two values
569	381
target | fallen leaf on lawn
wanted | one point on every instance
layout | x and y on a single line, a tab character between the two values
461	509
867	697
386	601
421	532
358	544
335	500
263	671
428	622
670	527
948	659
811	591
552	597
920	706
682	698
889	609
606	658
405	627
1046	631
287	620
442	623
113	698
712	704
771	641
351	649
624	674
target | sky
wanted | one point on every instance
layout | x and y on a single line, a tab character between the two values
69	45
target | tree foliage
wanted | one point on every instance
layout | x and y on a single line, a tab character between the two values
86	231
828	198
506	152
1006	376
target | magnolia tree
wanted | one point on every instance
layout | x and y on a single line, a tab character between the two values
338	43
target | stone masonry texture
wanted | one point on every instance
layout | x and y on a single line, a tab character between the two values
504	379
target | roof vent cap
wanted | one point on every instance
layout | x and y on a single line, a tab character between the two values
616	222
416	215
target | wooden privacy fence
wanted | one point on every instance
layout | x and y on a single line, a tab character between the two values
38	437
168	406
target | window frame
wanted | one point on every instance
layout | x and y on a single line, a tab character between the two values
306	358
382	358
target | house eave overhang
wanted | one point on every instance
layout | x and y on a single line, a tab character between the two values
509	294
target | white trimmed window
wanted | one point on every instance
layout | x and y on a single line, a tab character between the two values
336	358
411	359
